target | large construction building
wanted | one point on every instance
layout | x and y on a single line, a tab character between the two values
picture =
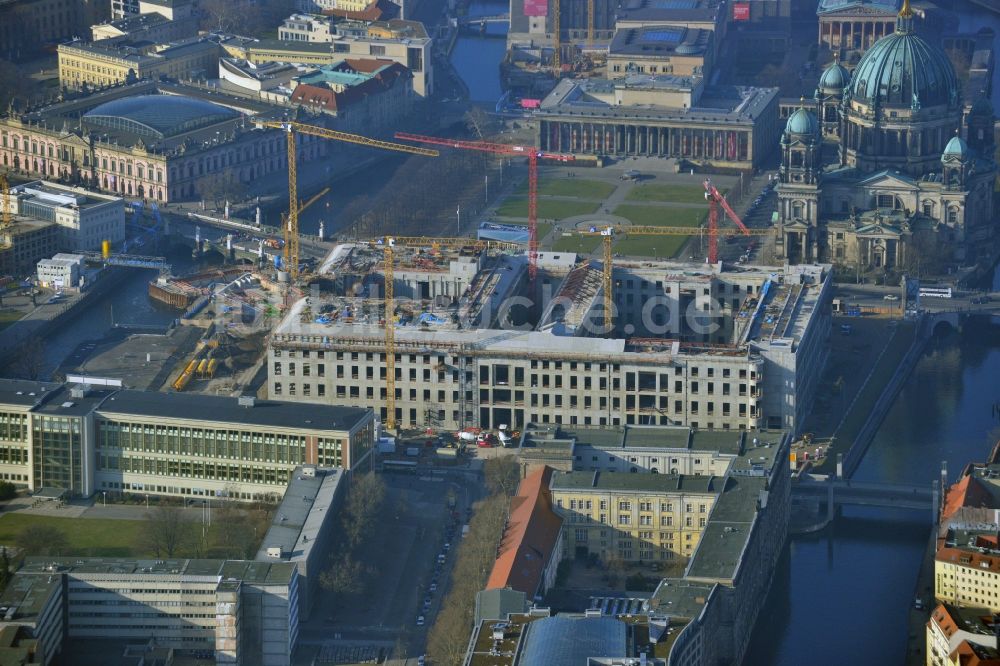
704	346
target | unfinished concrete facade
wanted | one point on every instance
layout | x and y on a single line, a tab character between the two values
698	345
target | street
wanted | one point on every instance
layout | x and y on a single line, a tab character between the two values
403	563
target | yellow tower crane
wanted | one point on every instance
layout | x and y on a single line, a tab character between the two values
590	23
608	234
291	128
388	245
8	213
556	39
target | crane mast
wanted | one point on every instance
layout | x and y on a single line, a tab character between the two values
607	235
290	226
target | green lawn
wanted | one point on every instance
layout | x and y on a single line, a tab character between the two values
661	216
86	537
571	187
671	193
578	244
547	208
664	247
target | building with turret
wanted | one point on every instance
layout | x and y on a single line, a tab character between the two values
907	185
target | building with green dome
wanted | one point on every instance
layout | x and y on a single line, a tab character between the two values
905	184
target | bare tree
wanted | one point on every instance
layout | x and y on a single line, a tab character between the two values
165	531
365	499
480	123
344	576
502	474
30	359
42	539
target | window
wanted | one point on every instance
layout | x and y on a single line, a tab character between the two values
624	519
624	506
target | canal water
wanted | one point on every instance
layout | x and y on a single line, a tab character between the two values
128	304
843	596
477	59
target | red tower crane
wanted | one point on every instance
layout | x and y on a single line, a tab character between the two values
715	199
531	152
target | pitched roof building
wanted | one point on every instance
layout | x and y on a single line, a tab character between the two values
531	545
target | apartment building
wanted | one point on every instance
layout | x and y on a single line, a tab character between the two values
707	347
306	28
953	632
85	219
410	46
731	505
112	62
83	439
633	517
238	611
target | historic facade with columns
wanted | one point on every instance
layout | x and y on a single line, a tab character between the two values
855	25
904	182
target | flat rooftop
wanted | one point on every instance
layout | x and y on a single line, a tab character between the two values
61	196
247	571
720	549
265	413
24	392
638	483
718	105
25	596
462	324
661	41
639	436
299	517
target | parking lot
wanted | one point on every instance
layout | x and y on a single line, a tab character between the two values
410	567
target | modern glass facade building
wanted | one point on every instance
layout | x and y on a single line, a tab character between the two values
86	439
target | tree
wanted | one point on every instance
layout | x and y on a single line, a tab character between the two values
165	531
502	474
42	539
7	490
345	576
480	123
365	499
238	530
30	359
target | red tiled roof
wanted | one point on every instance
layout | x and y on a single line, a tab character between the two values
531	536
969	558
389	73
966	654
969	491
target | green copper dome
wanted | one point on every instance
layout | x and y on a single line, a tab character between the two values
957	147
802	122
904	70
835	77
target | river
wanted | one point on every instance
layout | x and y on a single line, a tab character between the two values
843	596
477	59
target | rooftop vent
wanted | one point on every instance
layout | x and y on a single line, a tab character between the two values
274	552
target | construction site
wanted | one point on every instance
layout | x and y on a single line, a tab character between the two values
488	335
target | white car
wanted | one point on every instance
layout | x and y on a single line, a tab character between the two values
890	297
420	620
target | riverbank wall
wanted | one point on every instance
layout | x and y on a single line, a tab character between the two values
854	454
44	319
